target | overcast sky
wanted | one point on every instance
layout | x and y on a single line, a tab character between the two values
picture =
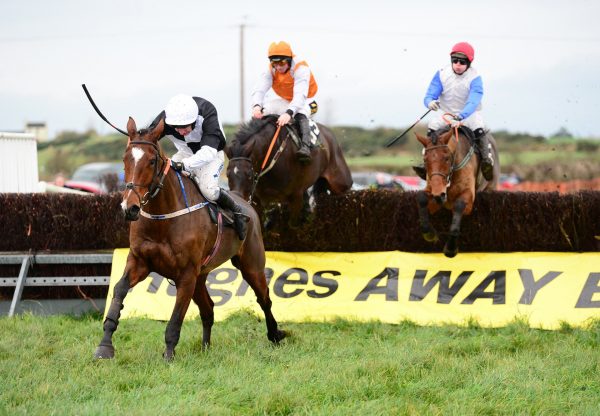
539	60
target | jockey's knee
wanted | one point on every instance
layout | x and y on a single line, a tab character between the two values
210	192
480	132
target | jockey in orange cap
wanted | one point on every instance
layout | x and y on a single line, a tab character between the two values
458	89
292	87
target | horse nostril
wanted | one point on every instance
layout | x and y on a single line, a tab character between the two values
132	213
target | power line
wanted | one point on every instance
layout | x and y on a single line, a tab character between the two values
303	29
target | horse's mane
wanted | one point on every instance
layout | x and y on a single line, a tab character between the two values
252	127
144	132
467	132
248	130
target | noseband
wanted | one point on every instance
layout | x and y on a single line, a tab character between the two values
159	174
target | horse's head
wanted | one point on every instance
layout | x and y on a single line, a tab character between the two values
245	153
438	156
144	168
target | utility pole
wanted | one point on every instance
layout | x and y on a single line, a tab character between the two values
242	99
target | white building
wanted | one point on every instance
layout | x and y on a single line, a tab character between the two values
38	129
18	162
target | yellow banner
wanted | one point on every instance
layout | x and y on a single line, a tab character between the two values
545	289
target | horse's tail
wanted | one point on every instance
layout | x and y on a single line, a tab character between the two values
336	173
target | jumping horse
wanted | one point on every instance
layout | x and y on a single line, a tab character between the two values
452	180
264	169
172	234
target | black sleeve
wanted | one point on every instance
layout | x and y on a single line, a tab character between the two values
212	135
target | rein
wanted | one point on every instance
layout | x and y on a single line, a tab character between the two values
453	167
263	171
153	188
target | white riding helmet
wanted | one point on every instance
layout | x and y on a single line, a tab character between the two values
181	110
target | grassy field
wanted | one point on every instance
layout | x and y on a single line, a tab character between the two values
336	368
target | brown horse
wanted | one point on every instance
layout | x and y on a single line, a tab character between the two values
276	176
452	181
179	241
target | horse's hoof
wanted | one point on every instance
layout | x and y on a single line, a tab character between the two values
104	352
278	336
450	253
169	355
430	237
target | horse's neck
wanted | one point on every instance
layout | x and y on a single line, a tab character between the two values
172	197
261	146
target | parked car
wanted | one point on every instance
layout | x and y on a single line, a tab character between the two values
382	180
98	177
508	181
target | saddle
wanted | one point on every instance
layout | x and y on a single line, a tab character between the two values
296	136
214	208
469	134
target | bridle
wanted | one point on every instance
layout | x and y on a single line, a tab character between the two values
158	177
453	168
257	175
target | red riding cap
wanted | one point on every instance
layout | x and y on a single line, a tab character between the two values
464	48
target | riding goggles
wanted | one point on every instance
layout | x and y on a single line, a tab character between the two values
461	61
279	62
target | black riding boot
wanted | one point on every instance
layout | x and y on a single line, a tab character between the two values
485	150
239	218
420	170
303	153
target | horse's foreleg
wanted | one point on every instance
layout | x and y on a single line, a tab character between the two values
185	289
427	230
206	305
134	273
295	208
106	349
258	283
451	247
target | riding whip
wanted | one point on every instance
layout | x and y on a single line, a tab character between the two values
407	130
98	111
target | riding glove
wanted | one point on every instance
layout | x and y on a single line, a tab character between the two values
257	111
433	105
455	121
178	166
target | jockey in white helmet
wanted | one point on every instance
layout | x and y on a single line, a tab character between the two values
193	126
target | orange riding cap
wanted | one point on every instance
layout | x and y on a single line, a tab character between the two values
283	84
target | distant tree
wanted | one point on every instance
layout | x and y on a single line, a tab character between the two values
562	132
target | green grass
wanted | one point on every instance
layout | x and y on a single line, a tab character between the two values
336	368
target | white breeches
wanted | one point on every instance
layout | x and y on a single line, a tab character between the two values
474	121
207	176
274	104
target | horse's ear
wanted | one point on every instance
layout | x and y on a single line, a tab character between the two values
422	139
131	127
156	134
227	150
446	136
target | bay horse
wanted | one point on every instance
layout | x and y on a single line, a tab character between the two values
452	181
173	235
263	167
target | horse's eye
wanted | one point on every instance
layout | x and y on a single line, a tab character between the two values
153	162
